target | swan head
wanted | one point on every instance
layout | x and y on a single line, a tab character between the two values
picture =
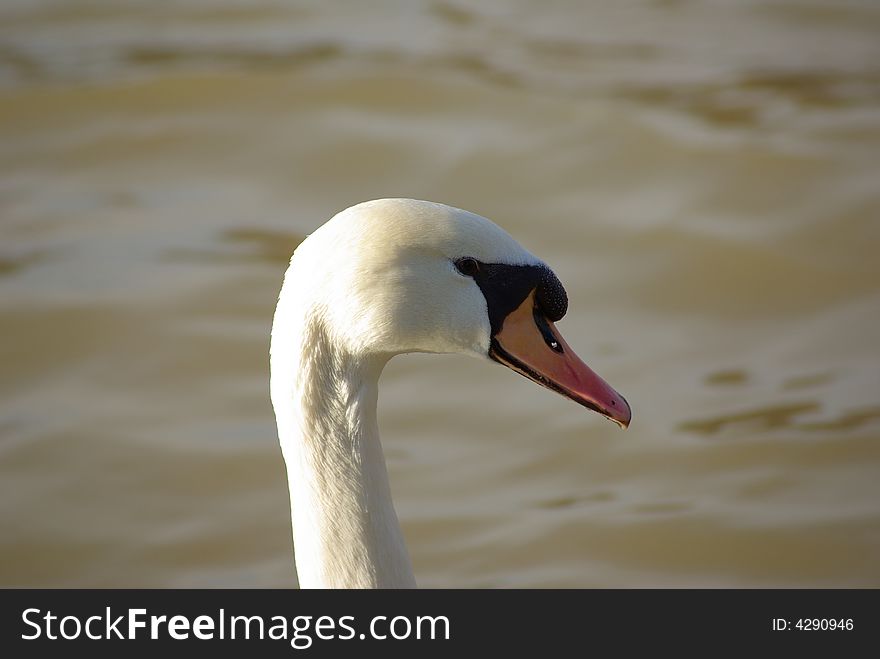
393	276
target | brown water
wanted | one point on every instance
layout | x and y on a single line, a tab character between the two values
703	176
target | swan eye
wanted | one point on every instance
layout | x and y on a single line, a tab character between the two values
467	266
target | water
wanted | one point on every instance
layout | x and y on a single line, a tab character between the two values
703	176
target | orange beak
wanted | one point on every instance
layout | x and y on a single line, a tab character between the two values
531	345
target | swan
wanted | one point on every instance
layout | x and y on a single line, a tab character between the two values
382	278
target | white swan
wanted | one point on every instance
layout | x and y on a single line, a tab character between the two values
382	278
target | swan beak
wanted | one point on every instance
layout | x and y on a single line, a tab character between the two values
531	345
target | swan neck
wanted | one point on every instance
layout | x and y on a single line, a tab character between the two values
345	530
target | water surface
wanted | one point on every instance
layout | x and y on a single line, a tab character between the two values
703	176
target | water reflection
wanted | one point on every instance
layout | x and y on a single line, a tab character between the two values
732	376
778	417
847	421
806	381
250	244
243	57
13	264
602	496
266	245
748	101
762	419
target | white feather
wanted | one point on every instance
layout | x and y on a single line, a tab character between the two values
376	280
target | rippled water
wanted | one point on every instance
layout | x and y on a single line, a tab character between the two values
703	176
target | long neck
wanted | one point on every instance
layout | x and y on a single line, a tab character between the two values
345	531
